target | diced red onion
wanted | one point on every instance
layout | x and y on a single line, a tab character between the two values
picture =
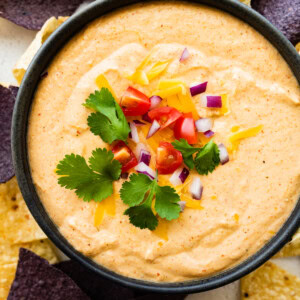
153	129
138	123
209	133
144	169
145	157
184	174
224	157
203	124
155	100
198	88
185	54
179	176
174	179
196	188
134	133
182	205
146	118
211	101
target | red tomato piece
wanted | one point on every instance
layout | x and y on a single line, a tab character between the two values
165	115
124	155
185	129
168	159
134	102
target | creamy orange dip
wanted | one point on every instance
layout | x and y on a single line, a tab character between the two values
245	202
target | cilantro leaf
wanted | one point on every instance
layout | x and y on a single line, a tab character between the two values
93	181
186	150
207	159
109	121
166	203
139	187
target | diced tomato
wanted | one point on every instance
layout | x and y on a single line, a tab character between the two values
185	129
134	102
168	159
165	115
124	155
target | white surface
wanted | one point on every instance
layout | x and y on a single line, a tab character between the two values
13	42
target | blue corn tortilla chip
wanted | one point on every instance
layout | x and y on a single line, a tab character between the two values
97	287
32	14
284	14
36	279
7	102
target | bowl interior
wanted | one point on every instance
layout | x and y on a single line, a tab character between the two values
20	158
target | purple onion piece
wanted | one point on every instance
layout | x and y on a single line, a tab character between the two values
224	157
203	124
153	129
182	205
185	55
146	118
144	169
184	174
198	88
134	133
211	101
209	133
196	188
155	101
138	123
145	157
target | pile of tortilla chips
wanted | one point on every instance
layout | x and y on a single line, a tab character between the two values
17	229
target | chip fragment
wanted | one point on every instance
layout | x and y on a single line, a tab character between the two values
32	14
292	248
284	14
9	255
36	279
270	282
7	102
21	66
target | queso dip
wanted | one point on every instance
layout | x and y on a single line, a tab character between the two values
244	202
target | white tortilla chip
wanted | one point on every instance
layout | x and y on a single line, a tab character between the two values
49	26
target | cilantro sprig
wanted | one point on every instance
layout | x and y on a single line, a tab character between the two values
109	121
139	192
187	151
93	181
206	159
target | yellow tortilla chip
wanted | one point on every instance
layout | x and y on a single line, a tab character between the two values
247	2
49	26
292	248
16	223
269	282
9	255
298	47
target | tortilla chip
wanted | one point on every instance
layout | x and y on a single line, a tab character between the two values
9	255
298	47
23	63
284	14
247	2
269	282
32	14
16	223
7	102
292	248
93	285
36	279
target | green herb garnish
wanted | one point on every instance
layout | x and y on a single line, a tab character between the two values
93	181
187	151
138	193
207	159
109	121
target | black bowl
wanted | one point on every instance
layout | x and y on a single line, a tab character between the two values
20	157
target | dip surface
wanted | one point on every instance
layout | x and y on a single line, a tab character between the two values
245	201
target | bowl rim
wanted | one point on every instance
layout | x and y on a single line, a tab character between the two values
20	158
